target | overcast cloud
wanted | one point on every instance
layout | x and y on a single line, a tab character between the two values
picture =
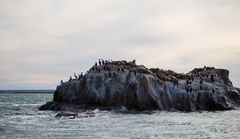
44	41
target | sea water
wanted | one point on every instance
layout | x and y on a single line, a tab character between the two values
20	118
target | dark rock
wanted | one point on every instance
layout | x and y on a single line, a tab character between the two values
66	114
139	88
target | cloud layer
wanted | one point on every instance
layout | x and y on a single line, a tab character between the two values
42	42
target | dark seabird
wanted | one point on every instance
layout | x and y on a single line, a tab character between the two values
175	82
61	81
99	62
212	78
95	63
103	62
190	89
70	78
118	69
201	81
201	87
134	61
75	75
213	91
106	61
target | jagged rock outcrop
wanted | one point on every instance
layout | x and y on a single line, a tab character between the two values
122	84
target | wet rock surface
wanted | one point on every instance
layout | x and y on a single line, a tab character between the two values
121	84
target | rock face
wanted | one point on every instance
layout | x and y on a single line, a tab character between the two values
122	84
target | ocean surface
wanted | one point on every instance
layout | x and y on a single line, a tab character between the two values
20	118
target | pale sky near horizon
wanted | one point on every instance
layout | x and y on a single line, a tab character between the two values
44	41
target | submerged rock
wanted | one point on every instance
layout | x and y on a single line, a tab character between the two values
121	84
73	115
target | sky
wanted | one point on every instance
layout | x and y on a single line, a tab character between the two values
44	41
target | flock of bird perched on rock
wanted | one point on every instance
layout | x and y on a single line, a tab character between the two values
102	65
105	65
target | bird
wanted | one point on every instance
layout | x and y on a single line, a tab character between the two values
103	62
99	62
70	78
134	61
75	75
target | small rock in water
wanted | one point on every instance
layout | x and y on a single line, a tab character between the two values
67	114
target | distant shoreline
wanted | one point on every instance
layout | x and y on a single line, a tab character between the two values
27	91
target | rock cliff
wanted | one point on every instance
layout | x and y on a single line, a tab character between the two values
126	85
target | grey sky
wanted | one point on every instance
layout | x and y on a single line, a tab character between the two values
44	41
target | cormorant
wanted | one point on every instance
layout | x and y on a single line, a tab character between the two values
213	91
190	89
118	69
75	75
212	78
201	81
134	61
103	62
99	62
95	63
106	61
175	82
61	82
70	78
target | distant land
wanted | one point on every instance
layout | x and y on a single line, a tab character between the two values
27	91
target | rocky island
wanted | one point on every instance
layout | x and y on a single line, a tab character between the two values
125	85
